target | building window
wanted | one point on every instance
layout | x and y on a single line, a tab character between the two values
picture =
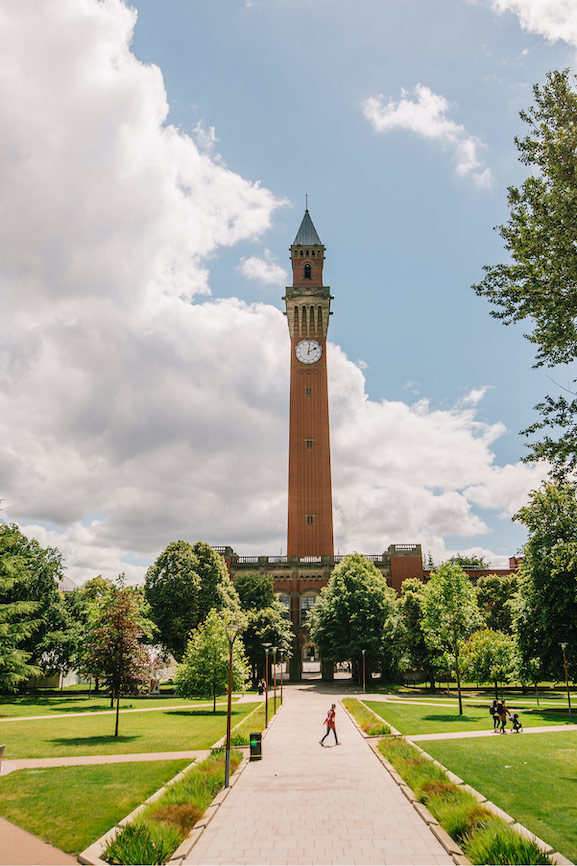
310	519
307	604
309	443
308	391
308	274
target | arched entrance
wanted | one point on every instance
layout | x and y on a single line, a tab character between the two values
311	663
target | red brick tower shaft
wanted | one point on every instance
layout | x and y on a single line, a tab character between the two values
310	513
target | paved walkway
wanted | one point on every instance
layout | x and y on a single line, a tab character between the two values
81	760
19	847
463	735
304	803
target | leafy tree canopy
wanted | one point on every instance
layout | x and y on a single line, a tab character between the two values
545	612
266	625
538	285
18	615
469	561
203	671
356	610
255	591
182	586
489	657
418	653
495	594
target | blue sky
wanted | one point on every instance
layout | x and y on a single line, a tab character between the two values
171	145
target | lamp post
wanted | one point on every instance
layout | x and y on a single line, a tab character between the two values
563	646
274	651
281	673
364	670
266	646
231	632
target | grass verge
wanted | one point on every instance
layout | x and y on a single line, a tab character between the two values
163	825
475	829
365	718
255	724
71	807
532	777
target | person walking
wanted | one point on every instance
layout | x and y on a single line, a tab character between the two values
503	713
330	723
494	713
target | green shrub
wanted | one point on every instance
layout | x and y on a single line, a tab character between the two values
143	843
497	842
239	740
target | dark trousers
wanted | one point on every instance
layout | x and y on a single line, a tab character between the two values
334	730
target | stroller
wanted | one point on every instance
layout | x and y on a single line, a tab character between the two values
517	724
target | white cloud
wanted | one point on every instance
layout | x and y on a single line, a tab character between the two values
264	269
553	19
427	115
134	410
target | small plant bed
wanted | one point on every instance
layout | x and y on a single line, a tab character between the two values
530	777
53	804
423	719
254	724
365	719
164	824
168	730
483	837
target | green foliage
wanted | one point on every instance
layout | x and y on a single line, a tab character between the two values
416	651
18	613
255	591
538	284
266	625
356	611
489	656
143	842
497	842
450	613
365	718
203	671
495	594
182	586
546	608
469	561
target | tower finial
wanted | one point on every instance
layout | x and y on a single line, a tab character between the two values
306	202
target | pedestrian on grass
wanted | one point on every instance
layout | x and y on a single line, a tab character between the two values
493	711
330	723
503	713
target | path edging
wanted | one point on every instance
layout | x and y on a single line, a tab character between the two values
92	856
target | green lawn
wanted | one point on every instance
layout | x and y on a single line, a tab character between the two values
71	807
163	731
43	705
532	777
422	719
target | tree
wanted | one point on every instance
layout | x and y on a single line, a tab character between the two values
255	591
80	605
182	586
539	283
18	615
40	569
489	657
114	641
450	613
417	651
356	611
203	671
495	594
545	611
469	561
266	625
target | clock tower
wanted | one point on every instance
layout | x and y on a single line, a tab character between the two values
310	513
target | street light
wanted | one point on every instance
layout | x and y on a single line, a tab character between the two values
266	646
364	670
274	650
563	646
231	632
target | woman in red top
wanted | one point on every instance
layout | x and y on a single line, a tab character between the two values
330	723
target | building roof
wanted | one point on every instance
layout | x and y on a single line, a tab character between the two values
307	234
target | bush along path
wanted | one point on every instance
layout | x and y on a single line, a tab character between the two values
454	811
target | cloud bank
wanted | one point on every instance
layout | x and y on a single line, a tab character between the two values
553	19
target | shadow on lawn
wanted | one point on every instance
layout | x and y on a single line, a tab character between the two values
201	714
453	717
93	741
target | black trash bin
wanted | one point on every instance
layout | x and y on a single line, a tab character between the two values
255	747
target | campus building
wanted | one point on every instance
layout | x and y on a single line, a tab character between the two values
301	574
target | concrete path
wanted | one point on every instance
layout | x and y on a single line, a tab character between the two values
306	803
19	847
462	735
81	760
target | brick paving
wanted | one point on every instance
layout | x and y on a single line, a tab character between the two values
311	804
20	847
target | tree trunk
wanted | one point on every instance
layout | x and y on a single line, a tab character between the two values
496	691
214	697
117	712
458	680
537	692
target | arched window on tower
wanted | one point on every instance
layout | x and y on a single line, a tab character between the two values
320	319
297	330
308	274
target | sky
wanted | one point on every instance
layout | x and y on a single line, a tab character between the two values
154	162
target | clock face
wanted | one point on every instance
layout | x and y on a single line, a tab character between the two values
308	351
